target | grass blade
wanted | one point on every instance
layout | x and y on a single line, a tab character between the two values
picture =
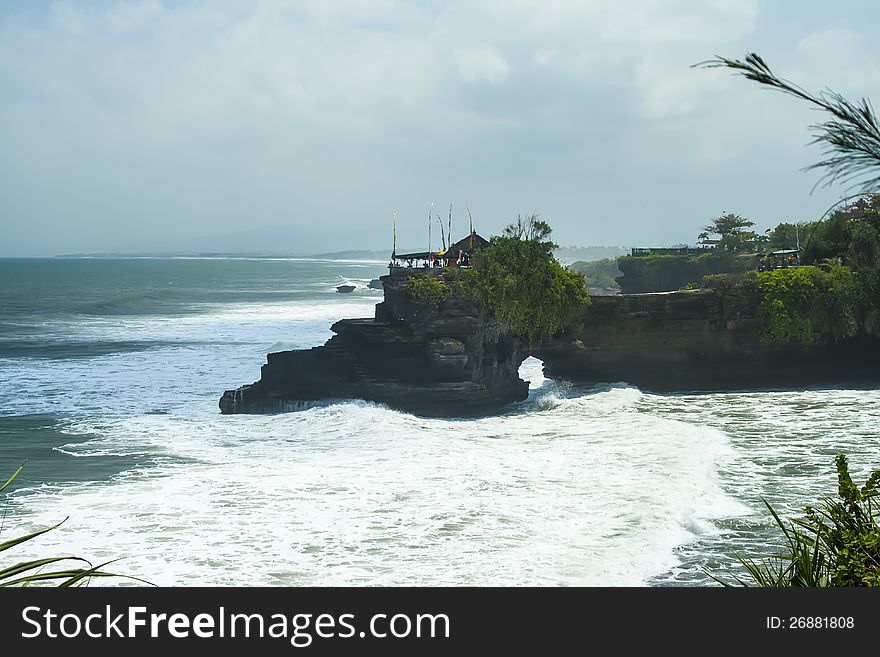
27	537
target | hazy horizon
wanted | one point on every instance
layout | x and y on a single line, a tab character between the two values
147	126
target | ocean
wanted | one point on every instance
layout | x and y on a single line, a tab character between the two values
111	370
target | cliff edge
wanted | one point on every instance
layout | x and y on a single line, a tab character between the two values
699	340
448	360
456	360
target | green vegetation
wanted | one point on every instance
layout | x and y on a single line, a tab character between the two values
525	287
517	279
601	275
427	290
659	273
730	228
799	303
25	573
839	296
787	236
723	282
851	233
788	302
837	544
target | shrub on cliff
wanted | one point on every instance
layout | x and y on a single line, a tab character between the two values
836	544
601	275
788	299
725	282
517	279
662	273
524	285
798	302
427	290
521	283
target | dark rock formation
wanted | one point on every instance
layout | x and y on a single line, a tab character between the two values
456	361
698	340
452	360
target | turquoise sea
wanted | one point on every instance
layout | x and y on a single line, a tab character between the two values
110	373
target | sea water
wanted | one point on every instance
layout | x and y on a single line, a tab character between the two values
110	373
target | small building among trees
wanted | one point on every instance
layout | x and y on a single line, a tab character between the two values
458	254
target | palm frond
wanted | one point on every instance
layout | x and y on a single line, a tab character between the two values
850	139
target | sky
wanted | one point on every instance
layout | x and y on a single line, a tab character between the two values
301	126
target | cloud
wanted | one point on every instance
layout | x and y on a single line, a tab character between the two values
129	16
839	58
187	118
482	64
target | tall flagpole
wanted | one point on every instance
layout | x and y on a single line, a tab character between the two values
394	235
449	232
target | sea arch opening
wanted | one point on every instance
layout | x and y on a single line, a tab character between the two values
531	370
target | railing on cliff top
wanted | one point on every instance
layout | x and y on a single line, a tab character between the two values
673	250
398	270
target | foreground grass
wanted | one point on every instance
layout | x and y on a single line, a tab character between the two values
64	571
836	544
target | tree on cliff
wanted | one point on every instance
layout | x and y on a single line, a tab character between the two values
523	284
530	229
730	228
850	139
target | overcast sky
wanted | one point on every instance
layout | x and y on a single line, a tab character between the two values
301	126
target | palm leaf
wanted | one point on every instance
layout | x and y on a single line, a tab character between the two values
27	537
850	138
14	475
25	566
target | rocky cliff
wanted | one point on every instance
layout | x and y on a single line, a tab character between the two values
455	360
698	339
451	360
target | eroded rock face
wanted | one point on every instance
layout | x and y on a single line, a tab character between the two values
456	361
698	340
452	360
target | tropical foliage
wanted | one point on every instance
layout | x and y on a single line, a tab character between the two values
526	288
517	279
601	275
850	138
799	302
787	236
427	290
836	544
851	233
65	571
659	273
732	233
788	300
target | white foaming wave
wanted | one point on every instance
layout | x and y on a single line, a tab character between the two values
785	441
355	493
532	370
598	400
213	322
298	310
223	322
196	357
